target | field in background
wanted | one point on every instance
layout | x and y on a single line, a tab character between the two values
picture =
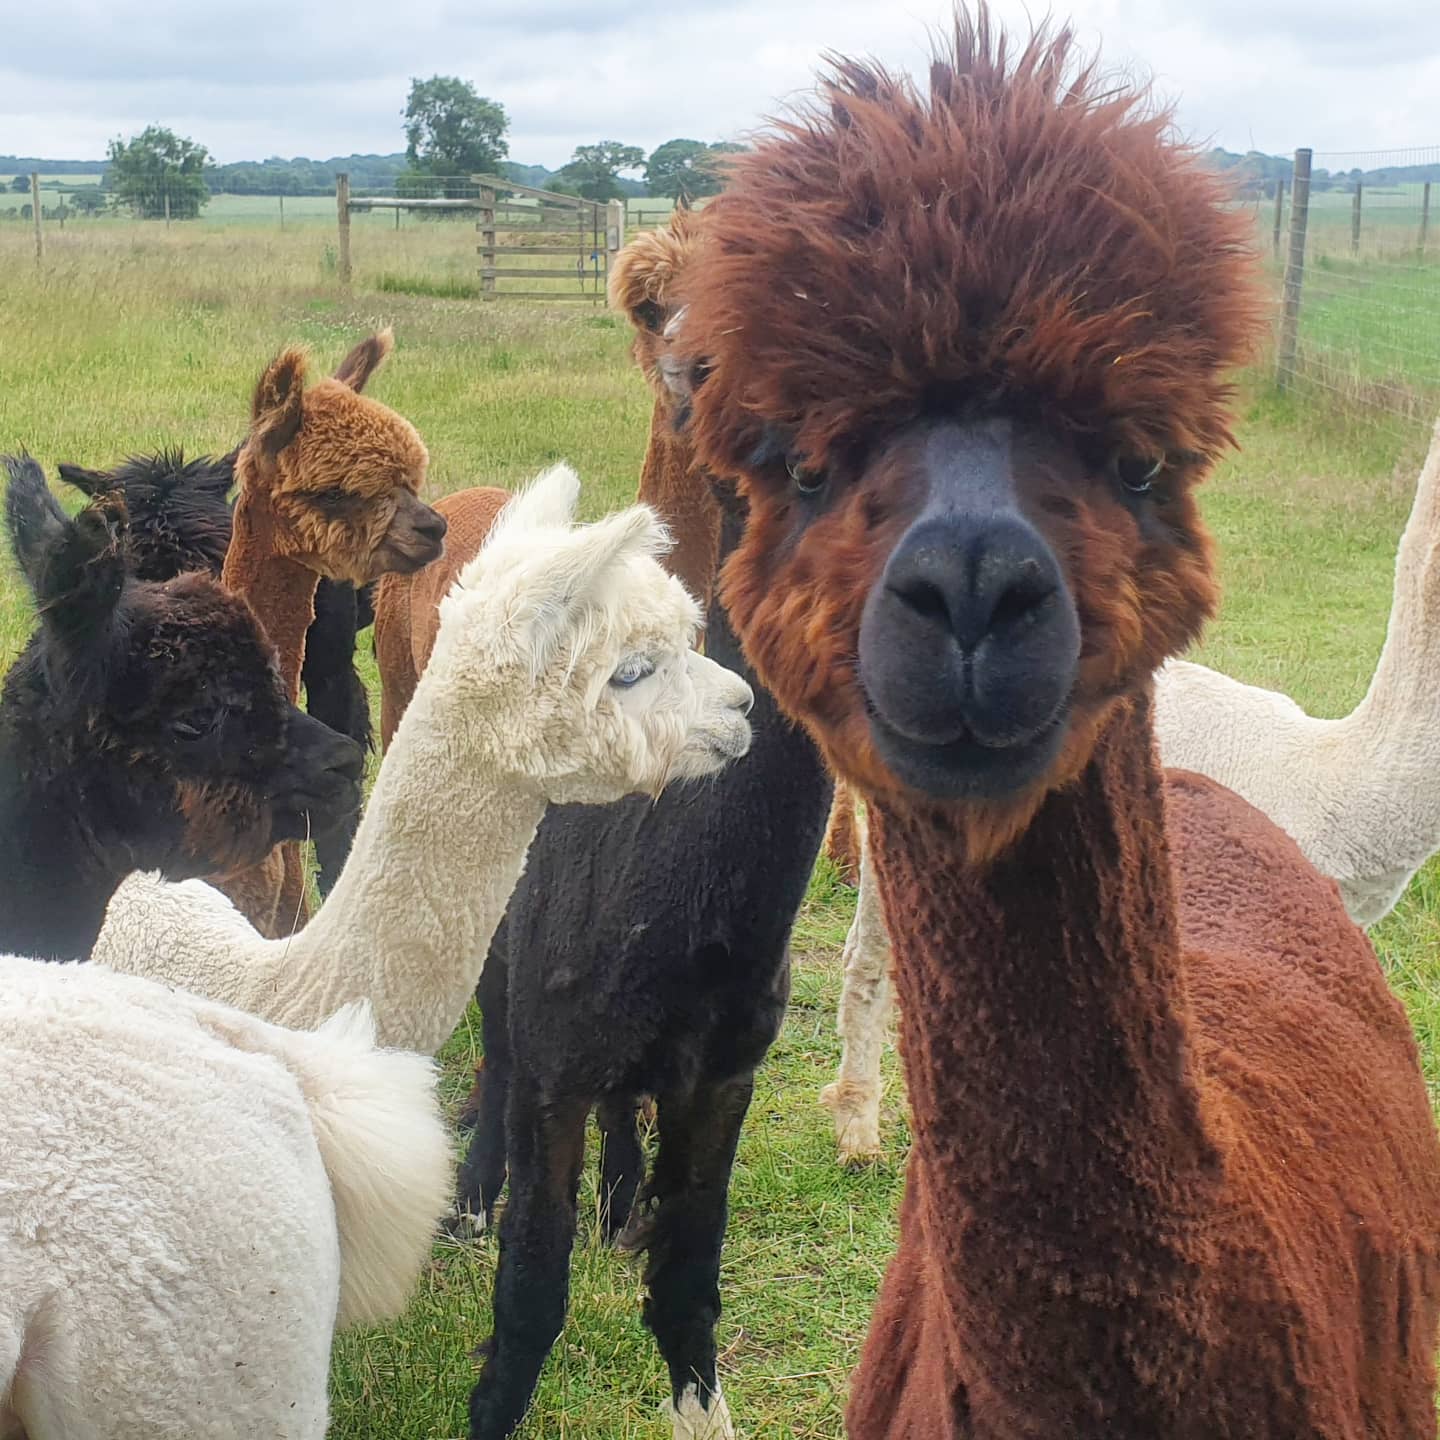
133	336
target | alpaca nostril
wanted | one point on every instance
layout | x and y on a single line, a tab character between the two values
924	599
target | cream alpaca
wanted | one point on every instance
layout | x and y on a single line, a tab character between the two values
1360	795
157	1282
563	671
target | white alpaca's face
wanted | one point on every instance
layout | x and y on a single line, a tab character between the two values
570	654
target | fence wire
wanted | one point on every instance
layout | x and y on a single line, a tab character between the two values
1368	333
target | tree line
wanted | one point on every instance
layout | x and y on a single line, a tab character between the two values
451	131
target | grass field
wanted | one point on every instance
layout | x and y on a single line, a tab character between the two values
132	336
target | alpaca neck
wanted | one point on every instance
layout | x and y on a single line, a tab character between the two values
280	591
1061	1160
54	888
1402	706
410	920
675	485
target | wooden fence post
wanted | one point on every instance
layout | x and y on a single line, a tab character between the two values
35	207
486	227
282	213
1424	217
342	207
1355	220
167	209
1279	211
614	236
1294	271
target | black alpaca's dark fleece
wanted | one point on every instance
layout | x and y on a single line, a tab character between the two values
645	951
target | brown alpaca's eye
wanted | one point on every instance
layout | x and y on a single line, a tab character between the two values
807	482
649	316
1138	473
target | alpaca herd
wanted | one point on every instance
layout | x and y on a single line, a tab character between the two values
934	380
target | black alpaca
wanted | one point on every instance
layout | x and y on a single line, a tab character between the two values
143	726
180	520
645	951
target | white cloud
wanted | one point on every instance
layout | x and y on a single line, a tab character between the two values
269	78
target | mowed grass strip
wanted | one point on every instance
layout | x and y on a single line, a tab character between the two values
132	337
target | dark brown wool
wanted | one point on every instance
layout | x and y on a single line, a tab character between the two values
1174	1172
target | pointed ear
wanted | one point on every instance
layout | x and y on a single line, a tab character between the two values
32	515
579	575
547	502
76	568
365	359
87	481
276	411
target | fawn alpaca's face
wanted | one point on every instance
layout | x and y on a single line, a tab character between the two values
341	471
570	653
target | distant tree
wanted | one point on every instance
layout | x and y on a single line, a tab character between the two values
452	130
594	170
156	163
20	184
686	167
88	201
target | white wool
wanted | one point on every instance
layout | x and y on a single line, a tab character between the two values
1359	795
182	1189
514	711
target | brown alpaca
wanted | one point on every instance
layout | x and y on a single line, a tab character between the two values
328	482
1174	1170
406	613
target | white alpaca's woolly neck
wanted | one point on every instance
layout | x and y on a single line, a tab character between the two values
1361	794
410	920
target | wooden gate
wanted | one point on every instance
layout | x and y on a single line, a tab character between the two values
540	245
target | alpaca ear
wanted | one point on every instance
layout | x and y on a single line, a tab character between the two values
365	359
32	516
75	568
578	576
87	481
547	502
277	407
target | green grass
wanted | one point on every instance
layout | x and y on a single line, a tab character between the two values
132	336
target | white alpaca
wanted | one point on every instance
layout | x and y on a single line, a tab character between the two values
563	671
190	1201
1360	795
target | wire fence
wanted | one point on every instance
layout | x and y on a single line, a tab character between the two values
1357	255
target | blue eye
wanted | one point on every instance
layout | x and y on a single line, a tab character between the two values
632	672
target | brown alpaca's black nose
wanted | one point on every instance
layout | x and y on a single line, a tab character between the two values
969	641
978	586
432	527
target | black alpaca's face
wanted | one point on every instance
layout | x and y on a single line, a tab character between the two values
196	702
159	706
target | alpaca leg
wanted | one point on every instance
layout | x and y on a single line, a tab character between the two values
690	1193
854	1098
622	1162
482	1175
842	834
532	1282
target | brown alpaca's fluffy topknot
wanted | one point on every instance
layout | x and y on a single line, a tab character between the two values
1025	239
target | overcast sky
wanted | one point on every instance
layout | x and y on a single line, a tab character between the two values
316	78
